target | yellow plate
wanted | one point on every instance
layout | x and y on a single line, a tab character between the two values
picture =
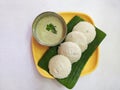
38	50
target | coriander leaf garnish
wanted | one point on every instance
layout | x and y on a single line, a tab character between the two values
51	27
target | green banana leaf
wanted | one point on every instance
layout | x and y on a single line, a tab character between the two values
77	67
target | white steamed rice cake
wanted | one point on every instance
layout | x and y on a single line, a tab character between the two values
59	66
78	38
87	28
70	50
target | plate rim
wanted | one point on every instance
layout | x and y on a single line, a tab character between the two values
86	73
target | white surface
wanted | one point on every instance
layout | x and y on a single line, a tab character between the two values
17	70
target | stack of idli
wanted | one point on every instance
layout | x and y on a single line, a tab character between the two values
70	51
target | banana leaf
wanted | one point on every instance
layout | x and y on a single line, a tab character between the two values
77	67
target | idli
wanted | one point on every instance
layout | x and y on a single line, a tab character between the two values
59	66
87	28
78	38
70	50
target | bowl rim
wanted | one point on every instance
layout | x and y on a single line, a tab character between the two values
45	14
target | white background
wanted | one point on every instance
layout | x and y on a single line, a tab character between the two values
17	69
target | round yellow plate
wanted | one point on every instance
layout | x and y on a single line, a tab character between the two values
38	50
